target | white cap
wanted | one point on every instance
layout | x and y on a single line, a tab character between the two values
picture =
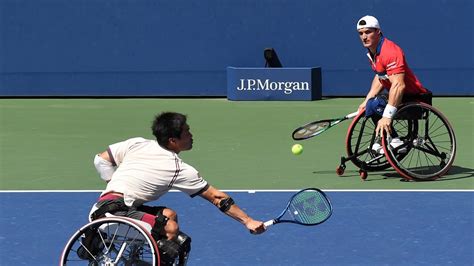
368	22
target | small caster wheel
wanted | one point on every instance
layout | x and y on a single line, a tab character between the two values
340	170
363	174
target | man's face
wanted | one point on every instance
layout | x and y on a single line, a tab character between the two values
185	141
370	37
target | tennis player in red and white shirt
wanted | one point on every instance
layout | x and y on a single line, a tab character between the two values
391	73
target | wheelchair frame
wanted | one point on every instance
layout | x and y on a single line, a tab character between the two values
119	241
433	158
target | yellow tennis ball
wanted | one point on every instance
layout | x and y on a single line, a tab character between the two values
297	149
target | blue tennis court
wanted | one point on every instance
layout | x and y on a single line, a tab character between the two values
367	228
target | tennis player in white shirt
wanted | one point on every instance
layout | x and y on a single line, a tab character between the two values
140	170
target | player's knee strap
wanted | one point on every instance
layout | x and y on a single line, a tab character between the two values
225	204
160	223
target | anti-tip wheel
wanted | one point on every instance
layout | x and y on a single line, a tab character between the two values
363	174
340	170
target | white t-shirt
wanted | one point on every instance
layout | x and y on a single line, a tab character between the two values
146	171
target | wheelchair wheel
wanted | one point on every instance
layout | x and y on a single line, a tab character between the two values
111	241
430	143
359	140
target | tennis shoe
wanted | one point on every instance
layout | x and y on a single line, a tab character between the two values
394	143
377	148
397	142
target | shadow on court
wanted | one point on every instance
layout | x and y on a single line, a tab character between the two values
366	228
456	172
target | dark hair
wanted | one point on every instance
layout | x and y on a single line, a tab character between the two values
168	125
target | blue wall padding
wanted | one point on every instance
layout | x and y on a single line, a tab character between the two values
183	47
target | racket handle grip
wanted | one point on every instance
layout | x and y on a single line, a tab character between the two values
269	223
351	115
266	224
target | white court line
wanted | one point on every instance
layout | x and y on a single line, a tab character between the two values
257	190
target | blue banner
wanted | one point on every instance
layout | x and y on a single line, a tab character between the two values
273	84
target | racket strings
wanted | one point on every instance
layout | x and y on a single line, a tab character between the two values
312	129
309	207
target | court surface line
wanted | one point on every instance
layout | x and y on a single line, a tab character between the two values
256	190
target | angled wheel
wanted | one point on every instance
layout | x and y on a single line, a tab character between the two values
430	143
111	241
359	140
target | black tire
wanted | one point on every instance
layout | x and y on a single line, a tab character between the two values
431	143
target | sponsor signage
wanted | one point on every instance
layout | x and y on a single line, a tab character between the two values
278	84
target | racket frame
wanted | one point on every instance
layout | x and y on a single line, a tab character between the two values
278	218
332	122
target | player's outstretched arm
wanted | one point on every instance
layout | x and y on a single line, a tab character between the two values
227	205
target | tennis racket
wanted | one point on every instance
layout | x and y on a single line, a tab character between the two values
317	127
309	206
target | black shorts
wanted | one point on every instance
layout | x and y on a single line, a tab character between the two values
423	97
131	212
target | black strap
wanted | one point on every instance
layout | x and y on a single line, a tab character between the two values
157	230
225	204
109	206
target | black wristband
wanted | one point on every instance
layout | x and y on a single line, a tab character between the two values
224	205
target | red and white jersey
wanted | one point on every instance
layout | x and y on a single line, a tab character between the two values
146	171
390	60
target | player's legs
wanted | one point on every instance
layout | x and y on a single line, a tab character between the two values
162	220
173	244
159	214
162	225
375	107
159	210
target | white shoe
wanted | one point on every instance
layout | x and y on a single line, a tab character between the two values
394	143
377	148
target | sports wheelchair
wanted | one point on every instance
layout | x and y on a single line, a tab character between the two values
116	240
427	152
